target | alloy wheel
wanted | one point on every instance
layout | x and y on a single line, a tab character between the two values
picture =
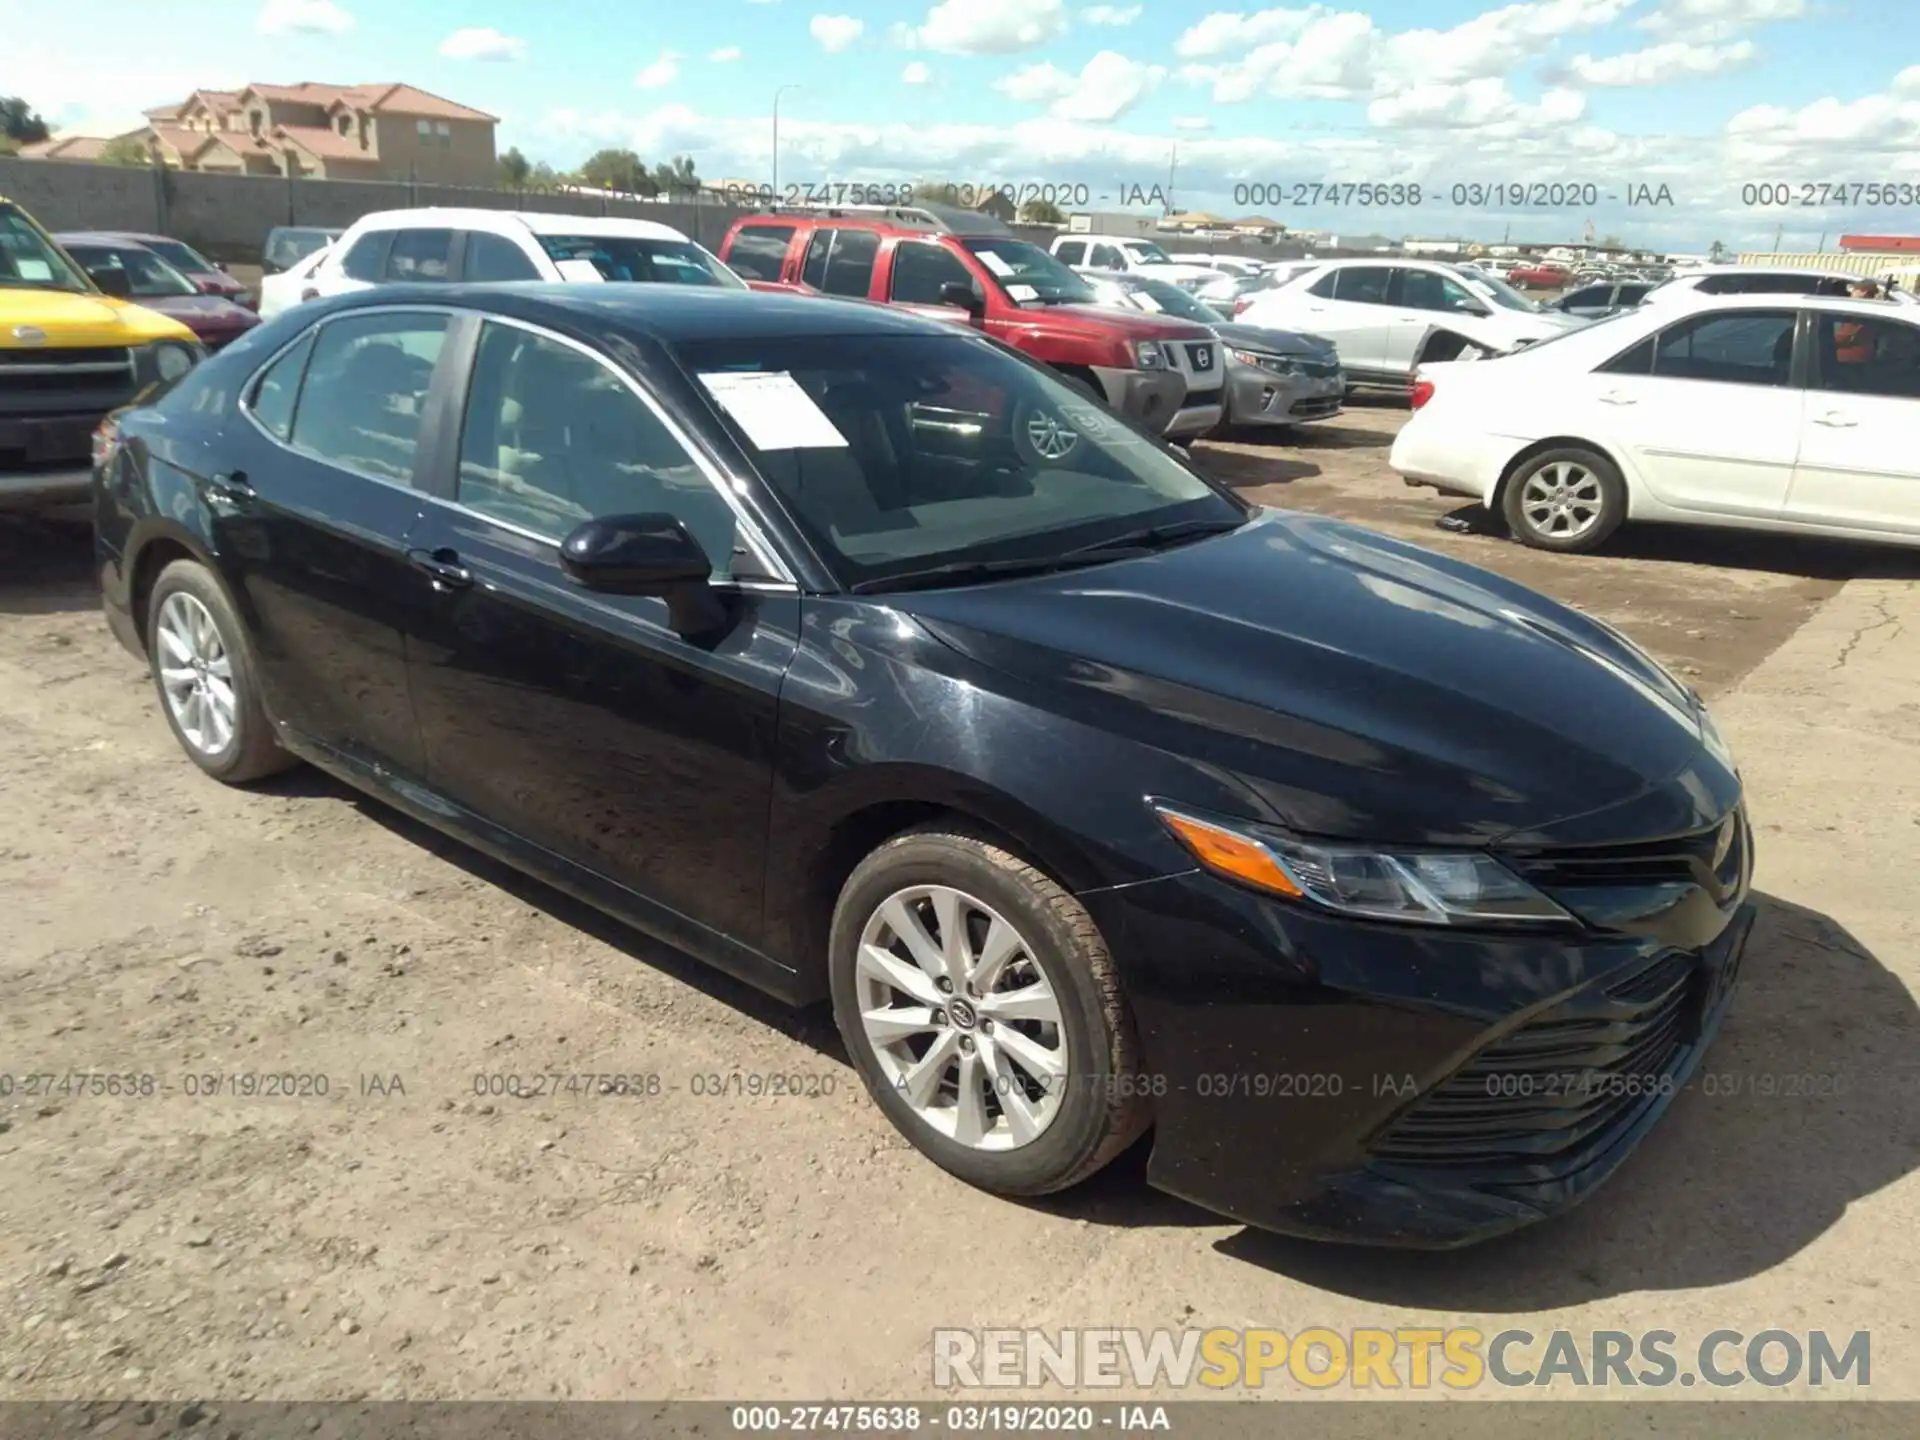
196	674
1050	437
1563	500
961	1018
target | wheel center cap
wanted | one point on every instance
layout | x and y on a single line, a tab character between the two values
961	1013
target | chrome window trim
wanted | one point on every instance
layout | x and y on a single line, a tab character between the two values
769	557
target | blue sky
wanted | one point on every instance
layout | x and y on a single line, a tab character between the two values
1697	95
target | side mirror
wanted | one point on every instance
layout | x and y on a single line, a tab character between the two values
208	286
962	297
650	554
113	280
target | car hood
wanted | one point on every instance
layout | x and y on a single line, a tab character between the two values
70	317
1111	320
1177	271
212	312
1360	687
1271	341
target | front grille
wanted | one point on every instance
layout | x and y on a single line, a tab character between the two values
1714	859
1319	369
1315	409
68	360
1550	1093
51	399
1201	359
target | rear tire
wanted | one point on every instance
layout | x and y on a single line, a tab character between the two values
1037	1082
1569	499
208	684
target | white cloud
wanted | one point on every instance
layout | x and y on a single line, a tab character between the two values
663	71
1477	104
1719	19
483	44
303	17
835	32
916	73
726	54
1107	87
1658	64
1111	14
1342	55
985	27
1192	122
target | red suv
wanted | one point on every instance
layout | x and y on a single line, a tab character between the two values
972	270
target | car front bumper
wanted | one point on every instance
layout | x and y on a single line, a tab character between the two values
1260	397
1198	413
1310	1078
1150	397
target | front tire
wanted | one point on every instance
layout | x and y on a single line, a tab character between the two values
981	1008
1569	499
206	678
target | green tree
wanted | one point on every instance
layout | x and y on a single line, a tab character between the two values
676	177
1042	212
514	169
125	150
544	177
1611	242
618	170
20	123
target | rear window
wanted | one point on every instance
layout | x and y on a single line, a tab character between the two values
642	260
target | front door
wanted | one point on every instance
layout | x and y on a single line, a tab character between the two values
919	271
1422	301
1859	462
1348	307
1709	412
582	722
312	528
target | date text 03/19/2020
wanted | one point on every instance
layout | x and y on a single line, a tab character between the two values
1467	195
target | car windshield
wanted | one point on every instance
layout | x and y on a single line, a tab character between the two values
1029	275
287	247
1148	253
1500	292
181	256
643	260
28	260
147	274
1159	296
899	455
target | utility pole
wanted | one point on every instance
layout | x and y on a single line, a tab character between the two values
776	138
1173	165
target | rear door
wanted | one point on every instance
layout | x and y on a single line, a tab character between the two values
312	527
1859	460
1709	410
840	262
758	253
1348	307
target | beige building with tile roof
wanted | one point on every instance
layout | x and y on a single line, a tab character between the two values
337	132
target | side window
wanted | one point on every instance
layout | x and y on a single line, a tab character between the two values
1636	360
277	390
1592	295
421	255
1071	252
1363	284
850	266
1108	257
368	257
758	251
1323	287
813	268
1868	356
1747	347
1721	284
553	438
494	257
365	388
1632	294
1429	290
920	269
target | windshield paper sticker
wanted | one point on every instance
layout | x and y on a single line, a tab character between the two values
774	411
993	262
1022	293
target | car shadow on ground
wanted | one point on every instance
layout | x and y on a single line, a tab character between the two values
46	566
1243	469
1813	557
1808	1101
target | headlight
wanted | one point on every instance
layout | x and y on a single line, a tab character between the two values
1422	887
1148	355
173	358
1274	364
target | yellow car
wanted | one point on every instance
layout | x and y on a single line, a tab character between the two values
69	354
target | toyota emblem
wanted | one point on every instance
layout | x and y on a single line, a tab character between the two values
29	334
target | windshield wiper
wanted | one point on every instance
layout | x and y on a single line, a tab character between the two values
1150	537
961	572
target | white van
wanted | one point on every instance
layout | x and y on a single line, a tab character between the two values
394	247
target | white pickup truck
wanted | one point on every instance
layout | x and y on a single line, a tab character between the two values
1131	255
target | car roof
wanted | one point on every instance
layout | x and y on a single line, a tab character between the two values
1703	271
668	314
138	237
101	237
538	222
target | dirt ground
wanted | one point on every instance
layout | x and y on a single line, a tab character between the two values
411	1233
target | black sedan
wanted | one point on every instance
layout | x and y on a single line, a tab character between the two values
868	661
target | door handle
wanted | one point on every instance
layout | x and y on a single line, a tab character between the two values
1836	419
1614	397
443	567
229	489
